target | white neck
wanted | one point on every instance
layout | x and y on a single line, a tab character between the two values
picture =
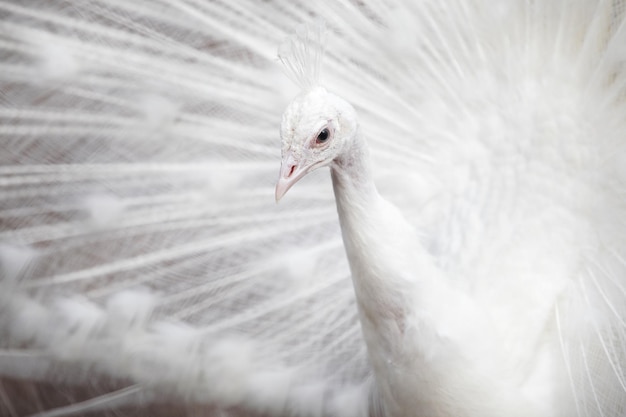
375	233
404	301
378	241
375	236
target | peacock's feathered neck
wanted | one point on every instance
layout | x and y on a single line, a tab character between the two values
418	347
367	240
376	238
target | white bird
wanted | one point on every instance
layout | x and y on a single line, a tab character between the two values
479	193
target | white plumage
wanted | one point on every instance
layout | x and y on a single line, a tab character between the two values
147	270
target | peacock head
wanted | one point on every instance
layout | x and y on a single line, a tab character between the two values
316	128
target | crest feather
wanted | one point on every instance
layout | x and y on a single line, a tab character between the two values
302	53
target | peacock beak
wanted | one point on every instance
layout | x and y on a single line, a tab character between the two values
291	170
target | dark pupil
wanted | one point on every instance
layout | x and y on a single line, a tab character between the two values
322	136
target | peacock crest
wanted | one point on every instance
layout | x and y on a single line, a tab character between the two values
302	53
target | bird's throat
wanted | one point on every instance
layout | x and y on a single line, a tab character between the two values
372	232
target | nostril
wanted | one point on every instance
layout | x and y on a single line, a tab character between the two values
291	170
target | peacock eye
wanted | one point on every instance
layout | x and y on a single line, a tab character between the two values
322	136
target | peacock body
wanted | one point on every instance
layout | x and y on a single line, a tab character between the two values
469	263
